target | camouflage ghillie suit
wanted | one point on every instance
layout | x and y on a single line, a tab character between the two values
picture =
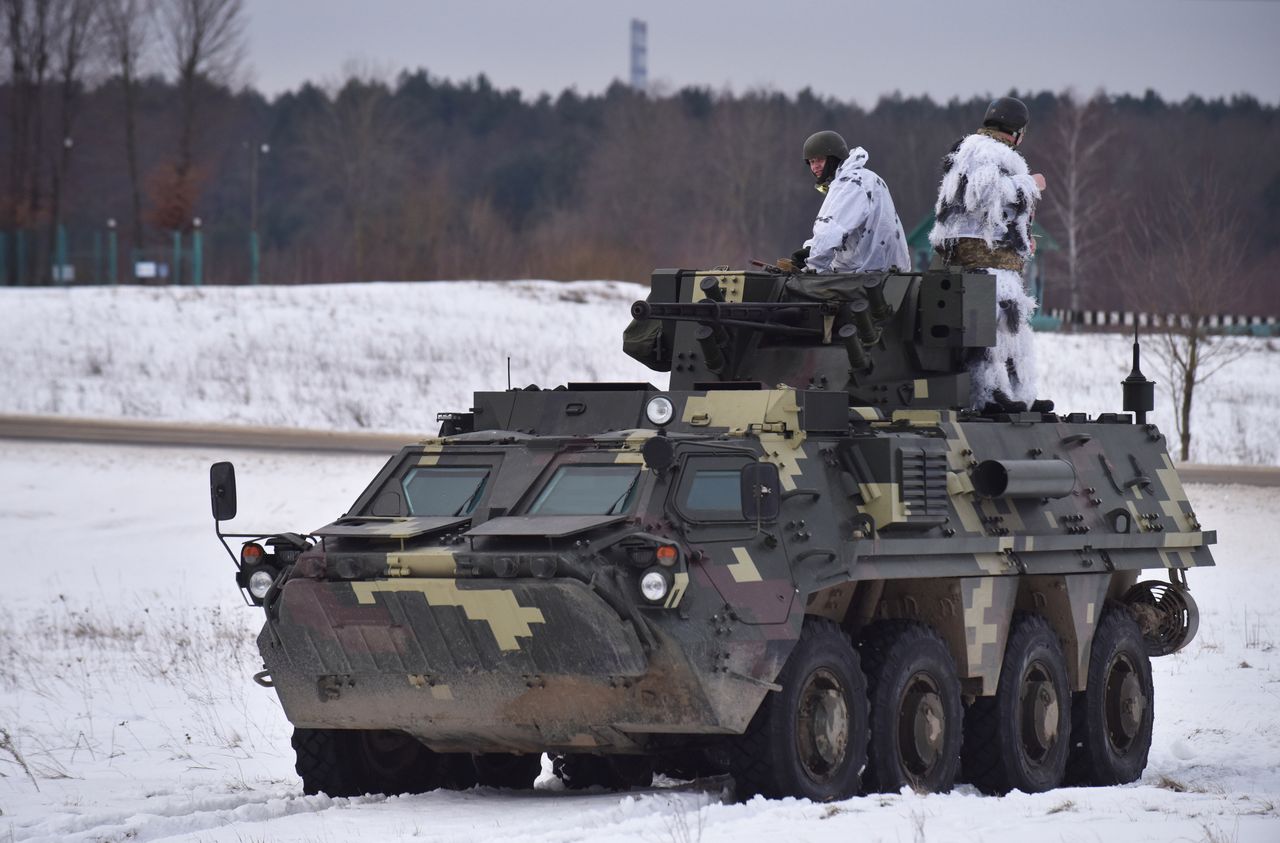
985	204
857	228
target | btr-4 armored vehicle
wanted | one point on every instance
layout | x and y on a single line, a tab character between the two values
803	564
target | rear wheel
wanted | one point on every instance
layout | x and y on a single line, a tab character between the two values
1018	739
808	740
916	710
352	762
1111	720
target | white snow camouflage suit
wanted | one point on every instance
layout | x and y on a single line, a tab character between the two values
988	194
857	228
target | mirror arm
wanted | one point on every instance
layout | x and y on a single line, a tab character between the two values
222	537
795	493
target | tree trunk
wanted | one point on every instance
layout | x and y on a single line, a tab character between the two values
131	151
1188	387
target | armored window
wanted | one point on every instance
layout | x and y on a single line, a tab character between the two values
588	490
714	493
440	490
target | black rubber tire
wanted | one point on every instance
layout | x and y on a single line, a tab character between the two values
621	772
1001	751
349	762
1106	747
501	769
911	675
820	711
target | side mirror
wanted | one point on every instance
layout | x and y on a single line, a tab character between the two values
222	490
761	492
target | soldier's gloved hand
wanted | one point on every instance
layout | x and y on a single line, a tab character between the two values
799	256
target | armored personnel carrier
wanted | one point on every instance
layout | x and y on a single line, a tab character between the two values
802	563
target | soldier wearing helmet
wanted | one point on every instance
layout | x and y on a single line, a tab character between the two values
985	205
857	229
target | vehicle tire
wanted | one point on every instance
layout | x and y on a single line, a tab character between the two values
615	772
808	740
1112	718
352	762
1018	739
502	769
916	712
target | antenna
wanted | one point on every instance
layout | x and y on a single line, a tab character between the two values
1139	393
508	373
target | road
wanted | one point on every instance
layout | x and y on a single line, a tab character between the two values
327	441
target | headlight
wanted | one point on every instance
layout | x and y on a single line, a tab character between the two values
260	582
659	410
654	586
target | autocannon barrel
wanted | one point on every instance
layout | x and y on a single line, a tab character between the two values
793	318
1024	478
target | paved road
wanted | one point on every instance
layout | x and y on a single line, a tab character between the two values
277	439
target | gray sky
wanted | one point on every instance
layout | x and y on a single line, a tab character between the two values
850	50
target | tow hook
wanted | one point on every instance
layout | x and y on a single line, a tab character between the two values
263	678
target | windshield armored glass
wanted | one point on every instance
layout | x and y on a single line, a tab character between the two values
588	490
435	490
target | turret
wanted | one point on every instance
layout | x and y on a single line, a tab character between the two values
889	340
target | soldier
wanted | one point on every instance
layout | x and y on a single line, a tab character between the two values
985	205
857	228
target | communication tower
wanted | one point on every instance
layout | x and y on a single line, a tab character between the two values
639	55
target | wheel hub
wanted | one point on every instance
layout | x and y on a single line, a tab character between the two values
922	725
927	719
824	725
1040	713
1125	702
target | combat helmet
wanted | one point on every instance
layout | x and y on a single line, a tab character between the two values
1007	114
829	145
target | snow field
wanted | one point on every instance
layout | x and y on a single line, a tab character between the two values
388	357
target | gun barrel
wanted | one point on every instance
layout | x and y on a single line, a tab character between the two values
771	317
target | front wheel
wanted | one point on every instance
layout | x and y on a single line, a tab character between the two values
916	710
1112	718
352	762
808	740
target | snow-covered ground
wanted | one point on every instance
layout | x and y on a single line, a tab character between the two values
126	706
126	657
388	357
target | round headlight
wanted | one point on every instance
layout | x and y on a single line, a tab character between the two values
260	582
653	585
659	410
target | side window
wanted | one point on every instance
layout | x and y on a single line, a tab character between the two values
712	492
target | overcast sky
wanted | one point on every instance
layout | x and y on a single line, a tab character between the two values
849	50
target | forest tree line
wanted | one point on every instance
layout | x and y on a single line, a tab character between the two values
114	110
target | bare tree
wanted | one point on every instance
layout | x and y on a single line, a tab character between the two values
205	39
1186	255
355	157
26	32
75	48
1077	197
127	24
